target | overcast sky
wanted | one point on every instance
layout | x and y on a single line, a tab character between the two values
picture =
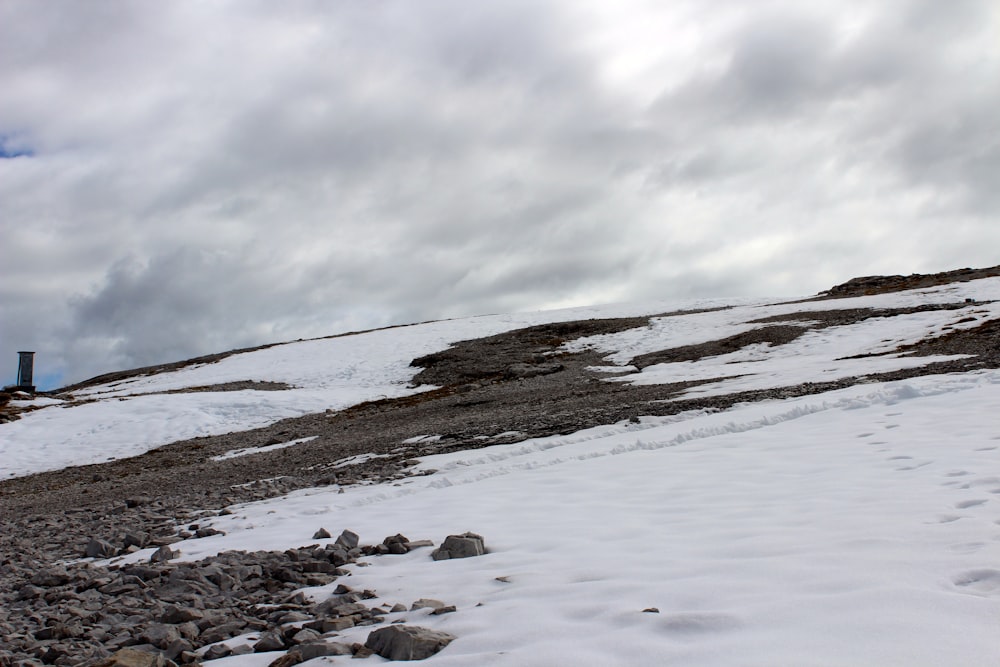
179	178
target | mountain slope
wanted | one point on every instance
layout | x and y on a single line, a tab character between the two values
723	462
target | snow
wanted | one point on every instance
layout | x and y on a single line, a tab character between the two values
820	355
854	527
246	451
127	418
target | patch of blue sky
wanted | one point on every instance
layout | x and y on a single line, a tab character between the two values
11	148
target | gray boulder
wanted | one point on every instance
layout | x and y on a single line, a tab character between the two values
269	641
160	635
175	614
348	539
426	603
163	554
465	545
99	549
217	651
407	642
322	649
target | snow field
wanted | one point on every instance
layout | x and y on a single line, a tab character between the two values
128	418
857	527
816	356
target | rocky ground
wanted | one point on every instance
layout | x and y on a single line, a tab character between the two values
494	390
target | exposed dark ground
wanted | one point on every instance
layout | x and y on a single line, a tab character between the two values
494	390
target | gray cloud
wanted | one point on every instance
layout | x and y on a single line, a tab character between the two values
204	176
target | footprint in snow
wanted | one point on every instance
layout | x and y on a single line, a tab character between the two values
966	547
966	504
915	466
695	623
983	582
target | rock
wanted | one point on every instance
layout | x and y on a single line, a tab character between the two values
312	650
321	534
293	617
188	630
99	549
407	642
426	603
465	545
217	651
269	641
304	636
163	554
175	615
293	657
160	635
337	624
56	576
444	610
348	609
130	657
348	539
136	538
58	631
416	544
177	648
362	652
223	631
208	532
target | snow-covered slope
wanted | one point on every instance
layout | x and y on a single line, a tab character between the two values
129	417
854	527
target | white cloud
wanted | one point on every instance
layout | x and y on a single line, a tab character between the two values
214	175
